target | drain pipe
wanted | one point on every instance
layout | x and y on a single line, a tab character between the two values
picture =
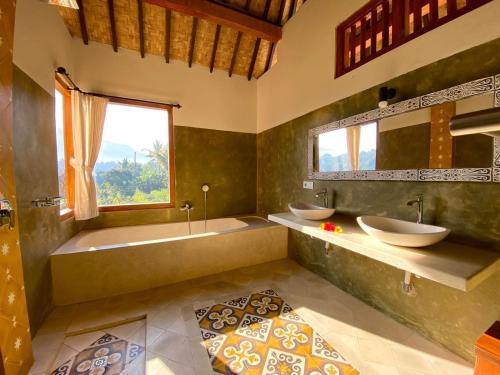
205	188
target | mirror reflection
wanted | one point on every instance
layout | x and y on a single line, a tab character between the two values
414	140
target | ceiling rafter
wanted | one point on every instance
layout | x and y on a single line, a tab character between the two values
291	10
83	23
272	47
112	24
192	41
168	31
224	16
257	43
237	44
214	48
140	16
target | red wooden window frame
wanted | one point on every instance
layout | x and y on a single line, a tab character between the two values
360	40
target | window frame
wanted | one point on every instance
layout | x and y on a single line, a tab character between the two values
171	159
394	19
68	150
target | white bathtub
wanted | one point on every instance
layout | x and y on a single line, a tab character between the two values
106	262
137	235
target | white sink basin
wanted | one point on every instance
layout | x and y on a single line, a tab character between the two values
310	211
400	232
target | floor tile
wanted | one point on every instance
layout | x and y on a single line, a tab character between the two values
371	341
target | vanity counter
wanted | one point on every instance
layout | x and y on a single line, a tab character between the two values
455	265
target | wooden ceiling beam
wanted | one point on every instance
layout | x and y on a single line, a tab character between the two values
193	41
83	23
237	44
168	30
112	24
257	43
214	48
272	47
235	53
291	11
140	13
224	16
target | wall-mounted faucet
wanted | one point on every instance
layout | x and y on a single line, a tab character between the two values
46	202
323	193
420	202
187	206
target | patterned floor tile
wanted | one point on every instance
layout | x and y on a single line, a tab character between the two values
261	334
106	354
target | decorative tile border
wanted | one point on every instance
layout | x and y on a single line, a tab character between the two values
496	174
389	175
465	174
478	87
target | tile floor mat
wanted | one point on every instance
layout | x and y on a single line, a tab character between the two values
261	334
119	350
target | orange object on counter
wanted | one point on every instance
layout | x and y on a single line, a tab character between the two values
488	352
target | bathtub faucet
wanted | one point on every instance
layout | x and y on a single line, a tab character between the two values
188	206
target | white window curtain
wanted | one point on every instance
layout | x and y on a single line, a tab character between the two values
353	139
88	113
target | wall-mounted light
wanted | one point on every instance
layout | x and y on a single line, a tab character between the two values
384	95
62	3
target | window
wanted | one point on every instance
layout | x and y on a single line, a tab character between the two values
62	111
135	166
382	25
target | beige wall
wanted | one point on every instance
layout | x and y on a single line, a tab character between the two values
303	78
211	101
41	42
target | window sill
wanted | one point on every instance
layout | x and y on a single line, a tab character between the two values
66	214
132	207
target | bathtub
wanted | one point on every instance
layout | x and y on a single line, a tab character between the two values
107	262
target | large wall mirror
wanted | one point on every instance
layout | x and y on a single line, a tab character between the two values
411	140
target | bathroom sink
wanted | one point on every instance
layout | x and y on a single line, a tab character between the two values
400	232
310	211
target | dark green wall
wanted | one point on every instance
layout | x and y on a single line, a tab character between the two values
453	318
224	160
35	164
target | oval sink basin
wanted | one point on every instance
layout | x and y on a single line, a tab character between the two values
310	211
400	232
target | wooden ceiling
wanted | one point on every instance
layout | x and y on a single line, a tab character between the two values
158	30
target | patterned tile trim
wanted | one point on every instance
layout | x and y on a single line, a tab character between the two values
389	175
478	87
260	334
465	90
466	174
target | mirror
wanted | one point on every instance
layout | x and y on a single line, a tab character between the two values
419	139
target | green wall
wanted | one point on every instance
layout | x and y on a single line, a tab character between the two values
226	161
41	231
450	317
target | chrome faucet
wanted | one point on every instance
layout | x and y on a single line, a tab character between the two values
420	202
188	206
324	194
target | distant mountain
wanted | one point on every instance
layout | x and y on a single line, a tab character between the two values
340	163
110	151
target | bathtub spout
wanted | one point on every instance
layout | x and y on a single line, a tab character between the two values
188	207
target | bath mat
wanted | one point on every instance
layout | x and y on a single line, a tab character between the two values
261	334
106	355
